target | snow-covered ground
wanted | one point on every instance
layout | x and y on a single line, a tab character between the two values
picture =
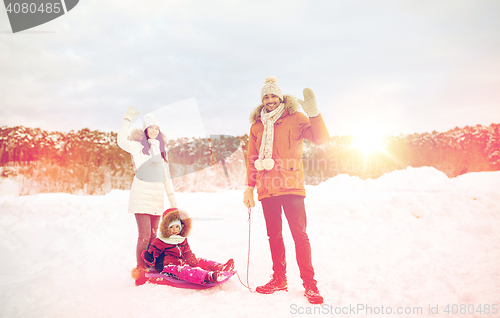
411	241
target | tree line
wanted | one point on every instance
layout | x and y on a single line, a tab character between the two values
454	152
90	161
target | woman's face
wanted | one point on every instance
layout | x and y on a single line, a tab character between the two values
153	131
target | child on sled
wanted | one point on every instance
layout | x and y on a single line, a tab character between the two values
170	253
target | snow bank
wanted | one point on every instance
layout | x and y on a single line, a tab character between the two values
411	240
482	181
9	186
423	178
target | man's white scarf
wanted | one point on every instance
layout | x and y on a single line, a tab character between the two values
265	160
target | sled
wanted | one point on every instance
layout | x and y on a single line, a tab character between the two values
164	279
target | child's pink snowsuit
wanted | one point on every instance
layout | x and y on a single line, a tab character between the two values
178	259
190	274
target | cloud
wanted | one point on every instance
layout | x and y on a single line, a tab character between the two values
405	66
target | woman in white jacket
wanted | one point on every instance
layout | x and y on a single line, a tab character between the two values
151	181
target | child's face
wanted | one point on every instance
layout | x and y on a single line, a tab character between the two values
174	229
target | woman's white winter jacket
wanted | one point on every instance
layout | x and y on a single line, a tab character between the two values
152	178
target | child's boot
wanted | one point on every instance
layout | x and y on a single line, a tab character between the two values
229	266
212	277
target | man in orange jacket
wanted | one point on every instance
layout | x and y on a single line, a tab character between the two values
275	169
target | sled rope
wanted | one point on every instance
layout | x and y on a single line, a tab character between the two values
248	256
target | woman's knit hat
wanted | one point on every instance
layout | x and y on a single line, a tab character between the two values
271	87
149	120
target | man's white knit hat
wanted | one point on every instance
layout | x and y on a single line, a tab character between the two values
271	87
149	120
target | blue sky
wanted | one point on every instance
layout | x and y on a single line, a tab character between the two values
377	67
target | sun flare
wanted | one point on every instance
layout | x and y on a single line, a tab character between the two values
368	143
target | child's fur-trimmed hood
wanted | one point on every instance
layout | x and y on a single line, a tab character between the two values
291	104
172	215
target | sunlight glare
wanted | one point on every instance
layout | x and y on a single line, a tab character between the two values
368	143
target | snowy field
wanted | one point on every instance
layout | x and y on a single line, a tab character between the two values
412	241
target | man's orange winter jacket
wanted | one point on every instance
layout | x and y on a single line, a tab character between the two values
287	175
